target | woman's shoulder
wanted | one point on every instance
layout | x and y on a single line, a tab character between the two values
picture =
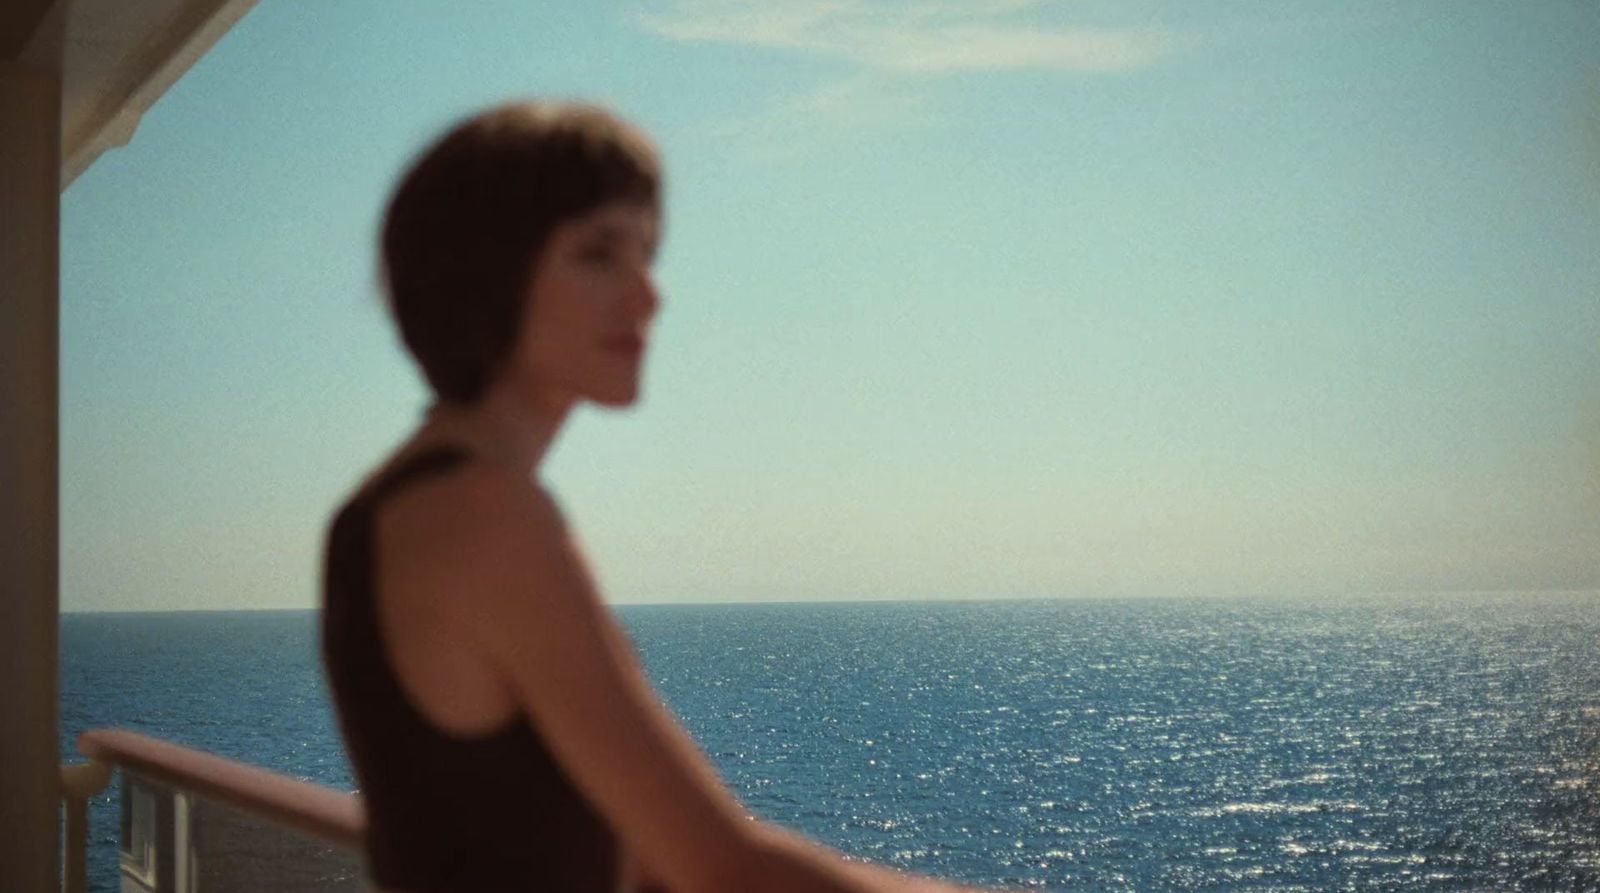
447	475
474	519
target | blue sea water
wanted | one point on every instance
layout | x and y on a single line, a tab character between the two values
1446	743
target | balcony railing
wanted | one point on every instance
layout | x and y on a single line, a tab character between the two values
193	822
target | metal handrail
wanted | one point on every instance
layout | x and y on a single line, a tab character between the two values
333	817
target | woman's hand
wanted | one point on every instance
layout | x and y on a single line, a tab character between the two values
889	880
870	877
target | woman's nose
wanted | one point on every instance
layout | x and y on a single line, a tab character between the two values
646	296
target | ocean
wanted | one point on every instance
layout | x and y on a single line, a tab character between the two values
1439	743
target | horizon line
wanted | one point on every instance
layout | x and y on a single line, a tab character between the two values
1255	596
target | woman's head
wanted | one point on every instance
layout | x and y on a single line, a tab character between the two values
519	244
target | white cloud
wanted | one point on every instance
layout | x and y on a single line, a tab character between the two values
799	123
972	47
923	37
787	25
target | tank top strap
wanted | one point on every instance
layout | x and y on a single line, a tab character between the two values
425	463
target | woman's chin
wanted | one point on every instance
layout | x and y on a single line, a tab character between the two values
616	398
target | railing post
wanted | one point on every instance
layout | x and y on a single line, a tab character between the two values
79	782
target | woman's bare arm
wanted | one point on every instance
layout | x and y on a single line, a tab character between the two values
498	554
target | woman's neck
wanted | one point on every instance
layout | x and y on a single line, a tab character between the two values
498	428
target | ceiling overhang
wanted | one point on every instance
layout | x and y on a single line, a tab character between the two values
117	58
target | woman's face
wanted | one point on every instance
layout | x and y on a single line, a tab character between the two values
591	298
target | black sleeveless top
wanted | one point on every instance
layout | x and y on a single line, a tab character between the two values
444	813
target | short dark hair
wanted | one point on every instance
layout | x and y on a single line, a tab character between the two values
470	219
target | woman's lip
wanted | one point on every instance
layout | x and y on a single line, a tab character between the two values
626	344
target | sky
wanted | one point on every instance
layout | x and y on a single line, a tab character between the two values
984	299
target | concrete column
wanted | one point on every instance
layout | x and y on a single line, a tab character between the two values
30	153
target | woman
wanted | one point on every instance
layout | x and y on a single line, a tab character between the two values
501	730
